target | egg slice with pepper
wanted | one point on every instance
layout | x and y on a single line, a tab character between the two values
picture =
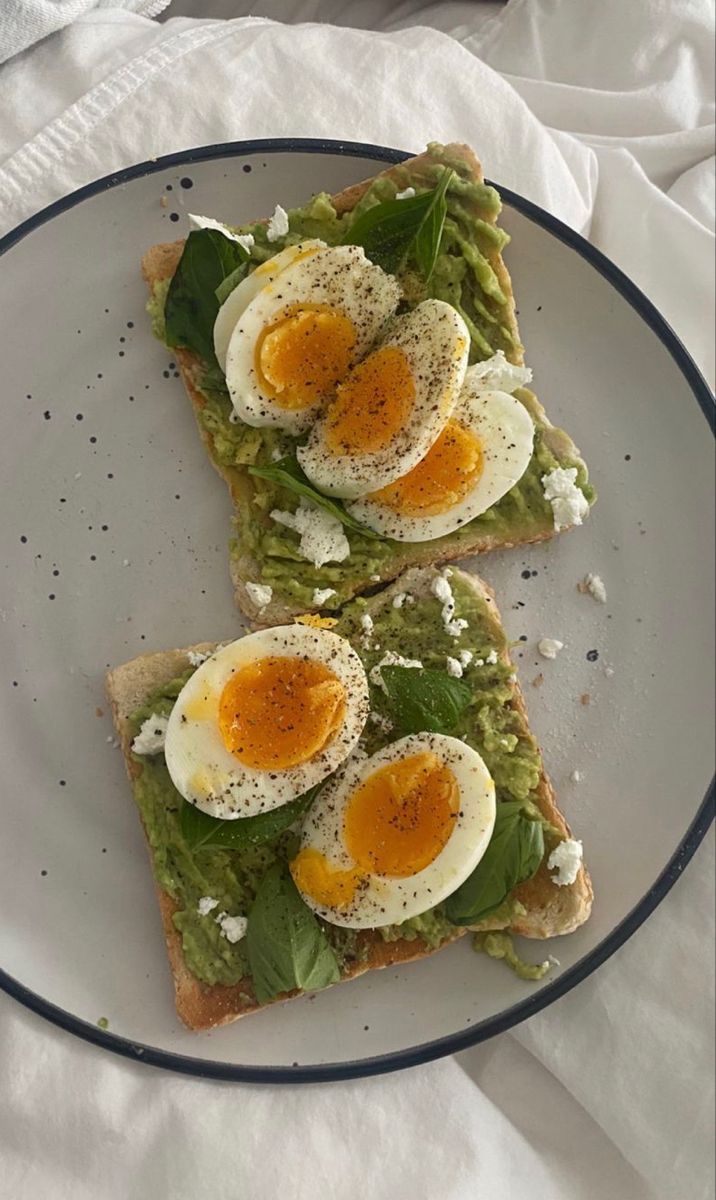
392	406
264	719
392	835
299	336
482	452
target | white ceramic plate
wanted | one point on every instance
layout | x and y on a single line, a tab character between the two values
113	542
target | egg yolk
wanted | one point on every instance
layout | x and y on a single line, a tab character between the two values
300	358
449	471
372	405
278	712
396	823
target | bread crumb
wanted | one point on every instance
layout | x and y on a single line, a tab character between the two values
538	680
585	699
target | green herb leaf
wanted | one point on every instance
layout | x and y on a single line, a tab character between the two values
515	852
232	281
288	474
286	946
389	230
191	305
424	701
201	831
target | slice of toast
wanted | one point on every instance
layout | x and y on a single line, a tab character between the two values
548	909
160	262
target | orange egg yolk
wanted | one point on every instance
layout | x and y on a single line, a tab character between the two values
372	405
278	712
449	471
300	358
395	824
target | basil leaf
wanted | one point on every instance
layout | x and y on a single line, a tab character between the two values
232	281
515	852
202	832
424	701
191	304
286	946
387	231
288	474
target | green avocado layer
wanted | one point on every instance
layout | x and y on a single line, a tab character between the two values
232	877
464	277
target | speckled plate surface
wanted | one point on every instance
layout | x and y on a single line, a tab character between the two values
114	542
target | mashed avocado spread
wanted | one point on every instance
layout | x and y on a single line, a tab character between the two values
464	276
232	877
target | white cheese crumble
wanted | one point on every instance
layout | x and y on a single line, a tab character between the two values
196	657
205	905
278	224
496	374
322	537
259	594
151	736
550	647
569	504
576	776
492	658
406	194
366	624
390	659
402	599
375	578
466	657
594	584
565	861
320	595
233	928
442	591
245	240
454	667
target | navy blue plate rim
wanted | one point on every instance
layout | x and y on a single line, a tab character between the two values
501	1022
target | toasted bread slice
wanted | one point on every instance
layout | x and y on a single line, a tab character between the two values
549	909
160	262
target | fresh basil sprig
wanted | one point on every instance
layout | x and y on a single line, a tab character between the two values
202	832
424	701
286	946
191	306
515	852
288	474
389	231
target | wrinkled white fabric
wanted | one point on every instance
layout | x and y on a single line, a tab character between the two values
25	22
602	114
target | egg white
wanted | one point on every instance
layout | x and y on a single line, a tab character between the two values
194	749
385	900
506	432
435	342
340	277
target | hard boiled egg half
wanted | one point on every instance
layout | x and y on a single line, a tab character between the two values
264	719
297	326
482	451
394	834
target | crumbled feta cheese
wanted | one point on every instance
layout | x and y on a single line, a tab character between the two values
594	584
233	928
366	624
406	194
322	536
466	657
496	374
320	595
278	224
375	578
492	658
454	667
151	736
549	647
565	861
576	777
442	591
402	599
259	594
390	659
569	504
245	240
196	658
205	905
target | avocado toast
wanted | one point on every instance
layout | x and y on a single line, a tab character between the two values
200	878
469	274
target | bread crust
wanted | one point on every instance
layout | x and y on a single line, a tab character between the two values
550	910
160	262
